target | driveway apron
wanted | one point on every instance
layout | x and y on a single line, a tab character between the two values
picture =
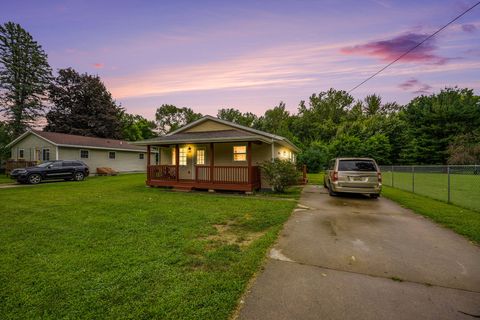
350	257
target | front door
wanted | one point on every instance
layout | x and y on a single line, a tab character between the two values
186	168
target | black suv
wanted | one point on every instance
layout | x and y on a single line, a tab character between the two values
52	170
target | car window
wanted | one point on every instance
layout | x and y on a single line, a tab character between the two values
56	164
77	164
67	164
356	165
45	164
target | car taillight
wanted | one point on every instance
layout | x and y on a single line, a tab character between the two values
379	174
335	176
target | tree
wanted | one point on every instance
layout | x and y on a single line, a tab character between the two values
24	77
83	106
435	120
276	121
136	127
6	136
465	149
315	157
377	147
169	118
247	119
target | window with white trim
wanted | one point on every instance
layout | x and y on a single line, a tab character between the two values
84	154
21	153
111	155
201	156
182	157
240	153
46	154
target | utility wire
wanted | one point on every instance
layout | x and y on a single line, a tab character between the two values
415	47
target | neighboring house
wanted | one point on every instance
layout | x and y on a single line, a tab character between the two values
40	146
215	154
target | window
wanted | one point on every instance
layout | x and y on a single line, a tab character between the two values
111	155
183	157
84	154
46	154
141	156
239	153
21	153
200	156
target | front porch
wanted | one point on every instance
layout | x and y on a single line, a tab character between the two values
188	169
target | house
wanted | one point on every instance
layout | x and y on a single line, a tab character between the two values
38	146
214	154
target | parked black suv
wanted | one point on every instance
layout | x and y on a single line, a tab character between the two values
52	170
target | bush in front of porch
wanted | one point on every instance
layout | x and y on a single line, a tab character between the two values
280	174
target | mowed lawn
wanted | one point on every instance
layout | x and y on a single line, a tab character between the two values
464	189
315	178
109	247
5	179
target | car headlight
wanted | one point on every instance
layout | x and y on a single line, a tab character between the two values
20	171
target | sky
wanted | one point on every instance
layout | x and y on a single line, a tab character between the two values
251	55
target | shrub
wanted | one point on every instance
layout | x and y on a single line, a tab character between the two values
315	157
280	174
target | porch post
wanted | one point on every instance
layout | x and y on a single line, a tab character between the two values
148	161
177	160
212	160
249	160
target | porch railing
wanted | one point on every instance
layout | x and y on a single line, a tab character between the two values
15	164
162	172
203	174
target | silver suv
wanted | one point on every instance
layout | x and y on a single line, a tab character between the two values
353	175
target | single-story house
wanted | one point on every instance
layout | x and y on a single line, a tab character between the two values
214	154
40	146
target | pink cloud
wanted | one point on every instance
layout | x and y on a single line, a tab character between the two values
415	86
98	65
469	28
390	49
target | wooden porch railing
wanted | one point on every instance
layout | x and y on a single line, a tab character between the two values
14	164
162	172
227	174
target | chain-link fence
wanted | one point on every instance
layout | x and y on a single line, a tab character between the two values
459	185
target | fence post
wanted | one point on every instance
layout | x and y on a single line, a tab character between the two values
448	186
392	176
413	179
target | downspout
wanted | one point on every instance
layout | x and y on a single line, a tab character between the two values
273	150
56	153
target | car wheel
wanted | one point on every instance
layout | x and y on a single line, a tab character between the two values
374	195
331	192
79	176
34	178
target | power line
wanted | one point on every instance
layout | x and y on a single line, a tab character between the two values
415	47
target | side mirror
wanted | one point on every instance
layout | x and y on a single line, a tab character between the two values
49	167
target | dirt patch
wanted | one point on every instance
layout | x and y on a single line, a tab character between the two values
229	234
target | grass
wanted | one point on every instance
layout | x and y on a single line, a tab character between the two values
315	178
111	248
464	188
5	179
292	192
463	221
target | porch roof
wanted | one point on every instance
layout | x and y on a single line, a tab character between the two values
205	137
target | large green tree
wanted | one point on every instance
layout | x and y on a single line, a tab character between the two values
247	119
136	127
82	105
434	121
169	117
24	77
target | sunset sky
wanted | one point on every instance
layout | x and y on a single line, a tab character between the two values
251	55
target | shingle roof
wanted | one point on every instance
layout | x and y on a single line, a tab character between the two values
204	135
63	139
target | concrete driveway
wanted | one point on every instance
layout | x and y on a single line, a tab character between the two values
358	258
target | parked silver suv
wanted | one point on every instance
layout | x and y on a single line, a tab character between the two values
353	175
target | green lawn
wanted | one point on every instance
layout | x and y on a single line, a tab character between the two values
465	189
5	179
109	247
315	178
463	221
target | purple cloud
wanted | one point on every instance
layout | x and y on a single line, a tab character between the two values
391	49
470	28
415	86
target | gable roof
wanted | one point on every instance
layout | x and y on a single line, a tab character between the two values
237	133
71	140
